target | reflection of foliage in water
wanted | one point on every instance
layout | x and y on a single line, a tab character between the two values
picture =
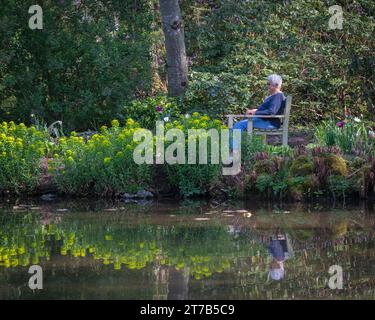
200	250
307	272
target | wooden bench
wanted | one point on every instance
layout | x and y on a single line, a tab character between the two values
282	131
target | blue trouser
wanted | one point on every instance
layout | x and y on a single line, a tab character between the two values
258	123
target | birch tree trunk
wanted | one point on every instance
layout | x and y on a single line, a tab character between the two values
175	47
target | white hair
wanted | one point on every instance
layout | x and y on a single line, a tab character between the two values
275	80
276	274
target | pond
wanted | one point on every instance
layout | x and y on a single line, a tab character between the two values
188	250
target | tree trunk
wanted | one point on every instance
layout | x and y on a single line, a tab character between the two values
175	47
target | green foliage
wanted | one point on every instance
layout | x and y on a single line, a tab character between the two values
302	166
313	172
282	151
93	58
300	186
235	45
270	174
352	136
336	165
357	163
277	184
194	179
21	151
86	63
339	185
264	166
249	148
149	110
104	165
280	185
264	182
218	94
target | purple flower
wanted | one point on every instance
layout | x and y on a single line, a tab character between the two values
159	109
340	124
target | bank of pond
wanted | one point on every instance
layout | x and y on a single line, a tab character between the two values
33	162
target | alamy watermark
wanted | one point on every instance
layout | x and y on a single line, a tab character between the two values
337	18
175	152
336	279
36	280
335	22
36	20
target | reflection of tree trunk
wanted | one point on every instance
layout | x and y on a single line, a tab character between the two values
161	282
178	284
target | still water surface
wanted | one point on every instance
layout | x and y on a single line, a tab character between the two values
191	250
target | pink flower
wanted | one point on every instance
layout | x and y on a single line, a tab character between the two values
340	124
159	109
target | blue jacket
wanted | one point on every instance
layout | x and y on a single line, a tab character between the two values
276	249
273	105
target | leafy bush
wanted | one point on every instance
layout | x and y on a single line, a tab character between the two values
103	165
352	136
302	165
282	151
307	172
218	94
21	151
264	182
91	60
300	186
339	185
249	149
235	45
88	61
269	174
194	179
149	110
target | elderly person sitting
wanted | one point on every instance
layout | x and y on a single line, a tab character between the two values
273	105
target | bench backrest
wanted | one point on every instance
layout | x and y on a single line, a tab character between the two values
288	105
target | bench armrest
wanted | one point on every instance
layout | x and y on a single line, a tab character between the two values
254	116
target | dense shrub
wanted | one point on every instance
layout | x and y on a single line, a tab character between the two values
269	175
195	179
93	58
87	62
352	136
21	151
104	165
149	110
249	148
234	45
310	172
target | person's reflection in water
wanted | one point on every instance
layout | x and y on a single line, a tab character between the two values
280	248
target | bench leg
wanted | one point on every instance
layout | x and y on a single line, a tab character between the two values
285	139
250	128
264	138
230	122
